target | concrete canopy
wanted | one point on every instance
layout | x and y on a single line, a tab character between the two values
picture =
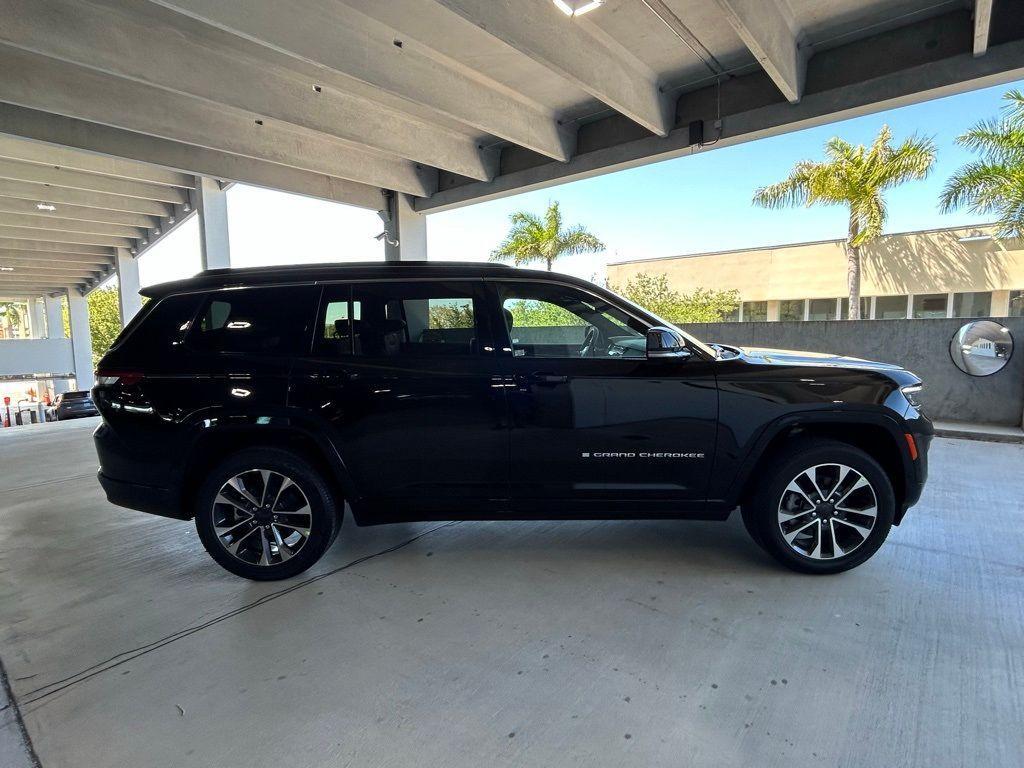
111	109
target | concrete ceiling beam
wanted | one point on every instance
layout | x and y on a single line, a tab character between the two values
769	32
87	182
77	212
133	41
563	45
93	137
57	87
28	259
28	245
342	41
982	24
48	193
52	236
73	160
58	224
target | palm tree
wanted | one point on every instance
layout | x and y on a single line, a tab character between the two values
533	238
995	183
855	177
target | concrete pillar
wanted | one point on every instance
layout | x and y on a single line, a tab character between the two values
212	206
773	311
54	309
37	318
81	338
406	230
1000	303
127	285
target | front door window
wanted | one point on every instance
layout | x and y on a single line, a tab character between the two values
554	321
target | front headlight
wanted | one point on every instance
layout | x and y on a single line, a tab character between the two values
910	393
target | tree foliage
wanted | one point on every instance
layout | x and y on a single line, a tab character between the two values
702	305
451	316
533	238
994	184
856	177
104	320
13	319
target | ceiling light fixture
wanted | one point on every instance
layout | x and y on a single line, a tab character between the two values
577	7
6	269
46	207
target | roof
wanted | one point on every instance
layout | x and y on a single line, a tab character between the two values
366	270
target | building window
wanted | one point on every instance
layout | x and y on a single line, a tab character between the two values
928	306
755	311
865	308
891	308
791	309
977	304
1016	304
822	309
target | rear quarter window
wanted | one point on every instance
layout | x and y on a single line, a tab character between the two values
158	328
271	321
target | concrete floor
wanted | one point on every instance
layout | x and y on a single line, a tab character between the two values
501	644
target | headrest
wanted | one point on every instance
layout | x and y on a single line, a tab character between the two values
509	320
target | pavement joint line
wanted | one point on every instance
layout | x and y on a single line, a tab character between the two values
12	704
47	482
130	655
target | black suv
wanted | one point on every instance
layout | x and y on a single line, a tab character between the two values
260	401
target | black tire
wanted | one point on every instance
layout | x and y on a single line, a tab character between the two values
324	513
764	508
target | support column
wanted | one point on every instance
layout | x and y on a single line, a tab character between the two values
773	311
212	206
81	338
130	302
37	318
54	307
405	230
1000	304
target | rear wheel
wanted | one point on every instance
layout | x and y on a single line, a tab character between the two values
266	514
822	507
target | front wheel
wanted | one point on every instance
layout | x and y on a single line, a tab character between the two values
822	507
266	514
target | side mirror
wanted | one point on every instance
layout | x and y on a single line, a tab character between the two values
665	342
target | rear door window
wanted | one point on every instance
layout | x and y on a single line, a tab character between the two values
415	319
272	321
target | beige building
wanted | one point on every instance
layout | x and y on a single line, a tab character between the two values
955	272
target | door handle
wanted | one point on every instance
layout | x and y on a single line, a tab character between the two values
548	378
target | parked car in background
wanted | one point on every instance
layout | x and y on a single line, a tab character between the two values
72	405
260	401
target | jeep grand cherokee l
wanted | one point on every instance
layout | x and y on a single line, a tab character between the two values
260	401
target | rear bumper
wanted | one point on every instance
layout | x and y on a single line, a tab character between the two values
144	498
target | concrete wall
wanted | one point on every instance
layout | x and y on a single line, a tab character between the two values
21	356
921	346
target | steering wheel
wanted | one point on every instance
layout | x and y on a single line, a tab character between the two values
590	341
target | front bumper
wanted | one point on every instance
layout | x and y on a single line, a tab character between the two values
922	430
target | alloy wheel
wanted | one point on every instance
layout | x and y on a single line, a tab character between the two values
827	511
262	517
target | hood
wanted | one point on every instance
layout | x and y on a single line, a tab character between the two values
816	359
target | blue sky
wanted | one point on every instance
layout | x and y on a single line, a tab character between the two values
699	202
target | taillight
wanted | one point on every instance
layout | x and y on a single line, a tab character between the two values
106	377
